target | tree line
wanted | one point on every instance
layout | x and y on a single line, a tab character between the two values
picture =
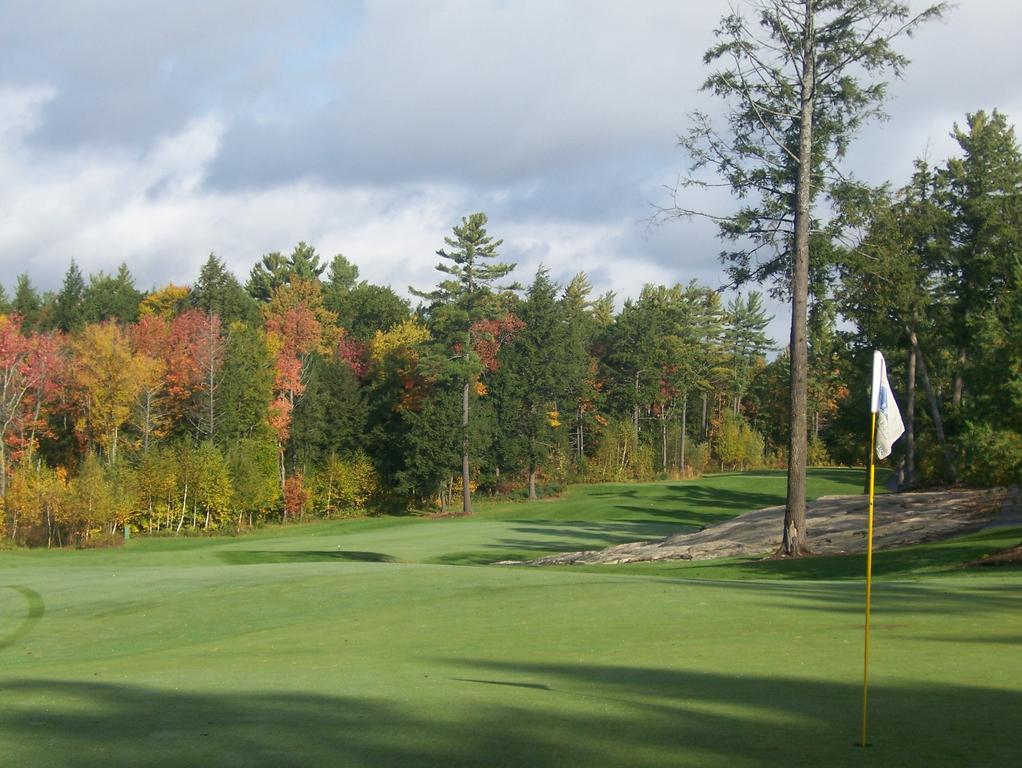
309	392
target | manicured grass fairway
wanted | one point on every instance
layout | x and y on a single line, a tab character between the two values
360	644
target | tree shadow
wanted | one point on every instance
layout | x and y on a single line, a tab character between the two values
547	716
540	537
889	598
943	556
261	557
691	504
781	720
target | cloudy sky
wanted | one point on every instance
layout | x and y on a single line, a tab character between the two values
154	132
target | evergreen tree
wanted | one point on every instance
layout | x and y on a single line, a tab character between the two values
308	445
889	287
982	193
218	292
634	354
245	388
462	299
275	270
800	77
69	313
26	302
746	342
367	308
533	376
111	297
346	408
430	445
580	390
342	275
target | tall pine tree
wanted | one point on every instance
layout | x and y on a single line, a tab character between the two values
463	298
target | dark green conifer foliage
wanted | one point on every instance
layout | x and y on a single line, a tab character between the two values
745	340
346	409
430	447
246	387
578	400
309	441
533	377
368	308
800	77
217	291
275	269
982	194
342	275
465	297
26	302
69	310
111	297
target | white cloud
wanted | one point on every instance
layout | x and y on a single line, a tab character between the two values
151	211
161	131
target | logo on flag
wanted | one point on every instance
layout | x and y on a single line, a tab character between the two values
889	424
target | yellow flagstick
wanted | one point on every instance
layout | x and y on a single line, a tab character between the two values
869	577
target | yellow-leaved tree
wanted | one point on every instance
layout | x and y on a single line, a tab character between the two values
109	379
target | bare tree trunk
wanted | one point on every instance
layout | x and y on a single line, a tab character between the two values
3	485
35	421
581	434
532	483
794	542
148	426
938	422
466	493
702	430
635	409
663	440
184	508
910	420
956	396
212	378
684	421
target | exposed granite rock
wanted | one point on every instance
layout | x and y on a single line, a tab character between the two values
837	525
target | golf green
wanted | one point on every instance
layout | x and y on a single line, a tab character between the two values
356	644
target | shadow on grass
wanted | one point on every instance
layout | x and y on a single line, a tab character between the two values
540	538
947	556
550	715
259	557
685	502
36	608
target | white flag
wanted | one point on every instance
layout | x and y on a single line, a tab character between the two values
889	424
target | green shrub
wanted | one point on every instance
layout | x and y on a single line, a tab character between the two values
697	458
818	456
990	456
